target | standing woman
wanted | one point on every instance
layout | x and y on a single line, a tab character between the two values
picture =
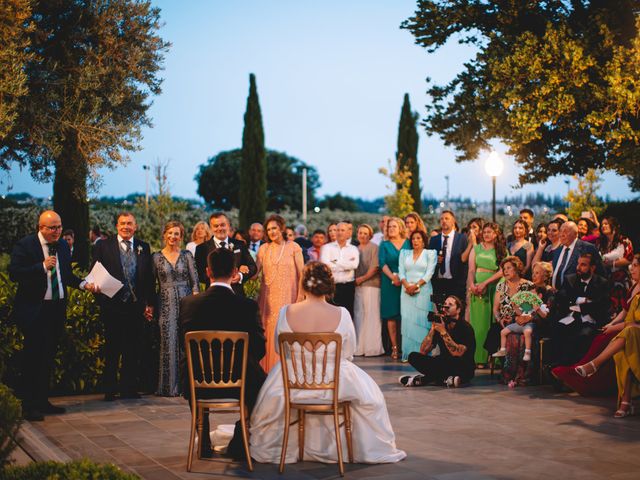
174	270
520	247
617	255
415	269
280	262
547	246
413	222
390	284
481	284
367	298
332	232
199	234
474	234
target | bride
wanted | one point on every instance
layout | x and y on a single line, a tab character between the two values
373	438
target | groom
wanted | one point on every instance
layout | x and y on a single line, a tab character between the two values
219	308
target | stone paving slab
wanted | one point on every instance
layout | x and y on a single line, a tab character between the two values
485	431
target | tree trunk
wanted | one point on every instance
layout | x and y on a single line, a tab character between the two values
70	196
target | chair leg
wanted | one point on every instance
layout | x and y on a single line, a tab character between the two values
336	423
540	368
347	424
301	419
245	437
199	415
492	366
285	437
192	439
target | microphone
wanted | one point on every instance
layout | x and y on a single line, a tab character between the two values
53	249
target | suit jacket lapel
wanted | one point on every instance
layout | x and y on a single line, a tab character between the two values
37	248
117	264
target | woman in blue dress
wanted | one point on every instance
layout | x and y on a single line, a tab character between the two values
415	269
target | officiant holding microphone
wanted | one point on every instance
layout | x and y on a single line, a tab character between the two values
41	265
128	260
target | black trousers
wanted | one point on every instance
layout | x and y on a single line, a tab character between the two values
571	342
344	296
438	369
123	326
41	337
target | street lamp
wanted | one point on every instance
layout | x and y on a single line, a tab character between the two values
493	166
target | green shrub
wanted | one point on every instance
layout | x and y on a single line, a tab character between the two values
10	418
78	470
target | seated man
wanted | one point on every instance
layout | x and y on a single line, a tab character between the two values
219	308
452	345
581	307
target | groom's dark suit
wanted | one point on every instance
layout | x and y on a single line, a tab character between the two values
240	253
40	321
219	308
123	315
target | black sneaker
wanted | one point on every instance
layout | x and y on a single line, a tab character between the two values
411	380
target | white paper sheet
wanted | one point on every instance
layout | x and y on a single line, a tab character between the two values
103	279
567	320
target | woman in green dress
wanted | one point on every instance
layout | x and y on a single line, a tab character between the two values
484	274
390	285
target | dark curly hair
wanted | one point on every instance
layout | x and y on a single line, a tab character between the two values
317	279
499	243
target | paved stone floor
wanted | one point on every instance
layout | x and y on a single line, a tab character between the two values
481	432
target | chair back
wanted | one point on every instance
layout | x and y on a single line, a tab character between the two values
216	359
310	361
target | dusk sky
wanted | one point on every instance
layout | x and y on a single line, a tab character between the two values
331	77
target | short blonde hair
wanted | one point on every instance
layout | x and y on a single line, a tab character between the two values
204	225
401	226
368	228
547	268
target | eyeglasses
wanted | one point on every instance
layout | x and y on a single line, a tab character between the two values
54	228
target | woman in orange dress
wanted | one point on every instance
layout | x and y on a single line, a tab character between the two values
280	262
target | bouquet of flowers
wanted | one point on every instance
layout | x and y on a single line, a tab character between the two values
526	301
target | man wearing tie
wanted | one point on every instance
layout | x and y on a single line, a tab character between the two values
565	259
41	265
245	264
127	259
451	273
256	237
581	307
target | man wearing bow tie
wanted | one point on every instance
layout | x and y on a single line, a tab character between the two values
581	307
129	260
41	265
245	264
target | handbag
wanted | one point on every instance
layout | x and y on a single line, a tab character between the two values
492	342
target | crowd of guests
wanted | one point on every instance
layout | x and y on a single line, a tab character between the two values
448	301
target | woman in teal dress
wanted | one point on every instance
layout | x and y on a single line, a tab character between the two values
415	269
388	254
481	284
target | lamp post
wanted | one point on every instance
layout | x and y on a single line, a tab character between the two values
146	169
493	166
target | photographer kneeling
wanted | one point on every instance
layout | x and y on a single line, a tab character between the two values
452	345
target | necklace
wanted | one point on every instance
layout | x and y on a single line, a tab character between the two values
270	275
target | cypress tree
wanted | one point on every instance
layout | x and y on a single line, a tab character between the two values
407	153
253	168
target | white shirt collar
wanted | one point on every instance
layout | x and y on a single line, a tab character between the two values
221	284
43	241
573	244
120	240
218	242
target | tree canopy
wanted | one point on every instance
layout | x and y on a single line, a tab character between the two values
218	181
557	81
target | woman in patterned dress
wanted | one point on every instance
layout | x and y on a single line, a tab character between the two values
175	273
280	262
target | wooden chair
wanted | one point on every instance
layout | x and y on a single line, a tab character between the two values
215	353
313	374
542	342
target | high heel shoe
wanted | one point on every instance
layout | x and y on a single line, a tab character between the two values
582	371
621	413
394	353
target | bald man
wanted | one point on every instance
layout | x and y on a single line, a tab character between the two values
41	265
565	259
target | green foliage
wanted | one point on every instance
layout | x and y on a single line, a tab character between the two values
17	222
585	197
556	81
218	181
77	470
10	337
339	202
407	153
399	202
10	419
252	288
253	168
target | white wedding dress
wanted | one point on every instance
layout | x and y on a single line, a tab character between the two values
373	437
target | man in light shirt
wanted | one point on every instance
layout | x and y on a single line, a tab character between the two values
256	237
343	259
378	237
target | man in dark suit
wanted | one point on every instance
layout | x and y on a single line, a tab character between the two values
451	273
219	308
256	237
128	259
41	265
247	268
565	259
580	308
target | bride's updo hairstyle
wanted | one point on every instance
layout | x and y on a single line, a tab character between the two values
318	280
